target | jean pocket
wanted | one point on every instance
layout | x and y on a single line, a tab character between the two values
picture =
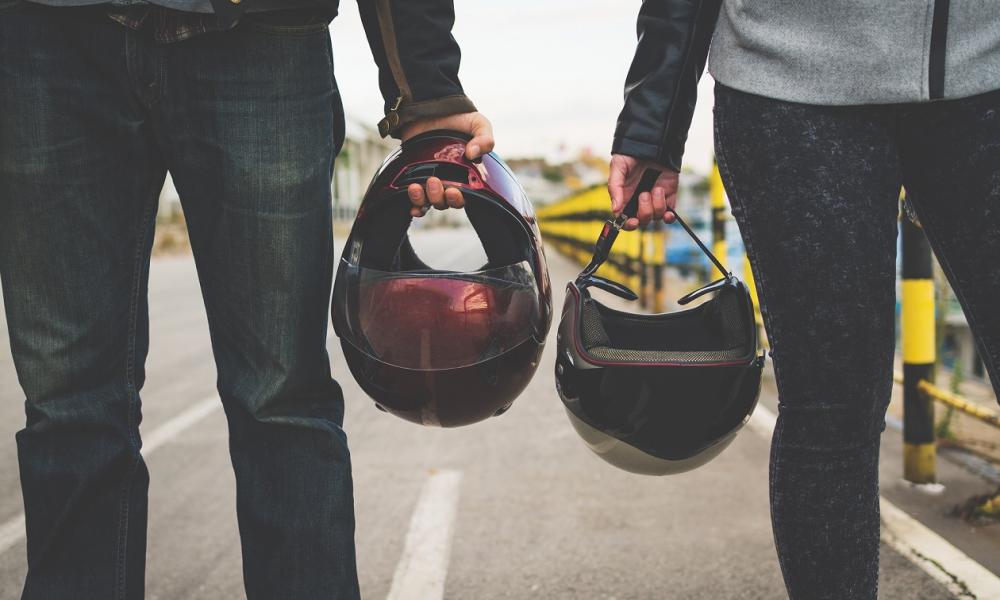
289	22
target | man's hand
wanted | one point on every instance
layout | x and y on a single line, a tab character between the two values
481	130
658	204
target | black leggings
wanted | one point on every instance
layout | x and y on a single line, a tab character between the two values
815	192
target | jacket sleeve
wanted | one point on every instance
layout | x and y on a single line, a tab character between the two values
417	59
662	84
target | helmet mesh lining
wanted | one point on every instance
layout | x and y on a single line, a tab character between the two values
717	330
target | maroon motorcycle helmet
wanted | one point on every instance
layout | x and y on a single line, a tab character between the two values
436	347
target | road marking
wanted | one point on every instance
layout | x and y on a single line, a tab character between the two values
962	575
762	421
423	567
177	425
12	531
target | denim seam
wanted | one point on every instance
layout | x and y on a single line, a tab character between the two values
120	551
143	224
131	60
335	91
748	242
734	197
159	77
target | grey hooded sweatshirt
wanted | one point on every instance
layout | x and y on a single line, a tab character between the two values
858	51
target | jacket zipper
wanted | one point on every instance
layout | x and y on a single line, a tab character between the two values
935	63
391	121
383	10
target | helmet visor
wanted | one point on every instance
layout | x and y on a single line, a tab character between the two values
434	320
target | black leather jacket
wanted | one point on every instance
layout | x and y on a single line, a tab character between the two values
417	56
662	84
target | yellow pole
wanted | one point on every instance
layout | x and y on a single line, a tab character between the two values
919	356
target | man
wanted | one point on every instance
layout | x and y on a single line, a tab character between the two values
239	101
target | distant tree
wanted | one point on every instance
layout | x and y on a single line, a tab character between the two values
697	185
552	173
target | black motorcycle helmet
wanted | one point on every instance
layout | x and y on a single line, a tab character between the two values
435	347
664	393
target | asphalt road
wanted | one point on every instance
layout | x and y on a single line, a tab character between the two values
535	514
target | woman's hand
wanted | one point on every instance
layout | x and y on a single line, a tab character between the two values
433	192
658	204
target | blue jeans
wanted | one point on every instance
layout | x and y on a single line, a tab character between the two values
815	190
248	122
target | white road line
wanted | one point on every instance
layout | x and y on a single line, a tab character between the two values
177	425
962	575
12	531
423	567
762	421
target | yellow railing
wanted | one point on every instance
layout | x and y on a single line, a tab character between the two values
573	224
955	401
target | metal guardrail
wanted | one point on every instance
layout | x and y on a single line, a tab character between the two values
961	404
986	415
573	224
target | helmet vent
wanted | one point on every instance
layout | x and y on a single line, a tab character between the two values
419	173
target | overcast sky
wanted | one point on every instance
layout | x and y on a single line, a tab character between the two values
549	74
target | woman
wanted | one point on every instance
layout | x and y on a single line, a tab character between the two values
822	112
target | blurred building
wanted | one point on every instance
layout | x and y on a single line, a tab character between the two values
957	344
360	157
542	182
545	181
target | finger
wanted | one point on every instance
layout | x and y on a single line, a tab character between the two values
645	211
616	188
419	211
669	216
435	193
631	224
454	198
416	194
659	202
480	145
482	141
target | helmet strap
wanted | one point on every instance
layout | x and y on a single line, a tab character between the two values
613	226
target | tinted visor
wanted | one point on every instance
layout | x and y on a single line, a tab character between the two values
434	320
